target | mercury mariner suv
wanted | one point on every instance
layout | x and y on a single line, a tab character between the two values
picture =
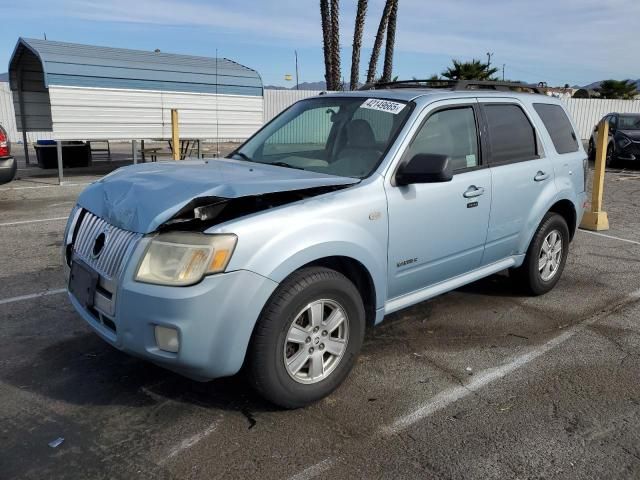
343	209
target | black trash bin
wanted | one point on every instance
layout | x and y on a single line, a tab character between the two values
74	154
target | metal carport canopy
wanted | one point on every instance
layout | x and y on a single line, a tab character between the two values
84	92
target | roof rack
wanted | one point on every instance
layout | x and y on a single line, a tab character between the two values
456	85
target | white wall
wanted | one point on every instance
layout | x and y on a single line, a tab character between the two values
146	114
101	113
277	100
586	112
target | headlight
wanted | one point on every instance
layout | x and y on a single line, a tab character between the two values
624	142
180	258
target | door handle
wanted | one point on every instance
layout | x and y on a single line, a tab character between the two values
473	191
540	176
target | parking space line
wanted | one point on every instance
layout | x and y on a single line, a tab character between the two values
609	236
452	395
7	189
190	442
31	296
25	222
483	378
314	470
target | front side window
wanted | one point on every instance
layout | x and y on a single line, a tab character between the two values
344	136
512	138
449	132
559	127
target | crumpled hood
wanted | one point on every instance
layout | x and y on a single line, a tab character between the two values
632	134
140	198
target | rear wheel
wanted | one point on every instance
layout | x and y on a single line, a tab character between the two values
307	338
546	256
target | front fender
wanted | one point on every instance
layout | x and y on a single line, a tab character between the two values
375	266
349	223
297	246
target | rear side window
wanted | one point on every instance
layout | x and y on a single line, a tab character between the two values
511	135
559	127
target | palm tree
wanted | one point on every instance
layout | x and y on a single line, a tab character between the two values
357	42
335	44
473	70
618	89
391	40
325	16
377	44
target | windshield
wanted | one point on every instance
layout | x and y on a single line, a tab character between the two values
345	136
629	122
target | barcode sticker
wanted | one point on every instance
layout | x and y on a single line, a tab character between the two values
383	105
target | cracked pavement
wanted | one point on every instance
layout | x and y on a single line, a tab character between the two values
573	411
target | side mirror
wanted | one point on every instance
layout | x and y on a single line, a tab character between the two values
425	168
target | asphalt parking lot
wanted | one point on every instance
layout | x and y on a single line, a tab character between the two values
478	383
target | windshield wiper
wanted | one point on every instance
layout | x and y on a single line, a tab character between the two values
242	156
286	165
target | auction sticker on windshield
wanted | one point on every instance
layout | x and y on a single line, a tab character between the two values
383	105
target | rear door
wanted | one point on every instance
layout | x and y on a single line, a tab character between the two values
522	177
569	158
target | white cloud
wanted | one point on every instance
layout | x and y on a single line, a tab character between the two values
547	38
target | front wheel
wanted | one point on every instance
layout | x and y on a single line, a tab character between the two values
611	161
546	256
307	338
592	151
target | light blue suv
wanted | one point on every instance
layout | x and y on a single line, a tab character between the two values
344	208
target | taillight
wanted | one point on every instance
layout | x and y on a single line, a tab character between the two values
4	145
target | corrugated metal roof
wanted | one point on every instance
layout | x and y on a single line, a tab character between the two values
70	64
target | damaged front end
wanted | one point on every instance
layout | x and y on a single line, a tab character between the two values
205	212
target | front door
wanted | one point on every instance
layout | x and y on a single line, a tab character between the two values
437	230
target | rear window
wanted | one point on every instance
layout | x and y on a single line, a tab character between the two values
511	135
559	127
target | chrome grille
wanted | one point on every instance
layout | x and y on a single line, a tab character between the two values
117	245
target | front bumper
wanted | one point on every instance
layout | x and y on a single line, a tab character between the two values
214	320
630	152
8	169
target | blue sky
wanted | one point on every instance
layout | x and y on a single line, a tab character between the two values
558	41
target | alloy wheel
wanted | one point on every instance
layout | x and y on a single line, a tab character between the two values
550	255
316	341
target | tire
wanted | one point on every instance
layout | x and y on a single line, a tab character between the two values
529	275
592	151
327	292
610	160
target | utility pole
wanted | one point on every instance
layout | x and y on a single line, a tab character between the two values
297	82
489	55
503	65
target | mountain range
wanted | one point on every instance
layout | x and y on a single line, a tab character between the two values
322	86
4	77
593	85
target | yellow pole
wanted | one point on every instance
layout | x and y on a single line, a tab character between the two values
596	218
175	134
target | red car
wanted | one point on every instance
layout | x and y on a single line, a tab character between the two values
8	164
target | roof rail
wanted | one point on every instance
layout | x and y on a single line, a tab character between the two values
455	85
